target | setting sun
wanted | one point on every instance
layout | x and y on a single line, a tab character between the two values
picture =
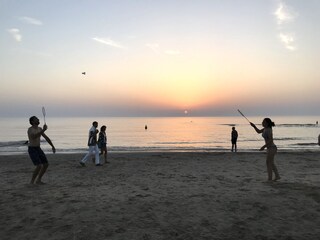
167	59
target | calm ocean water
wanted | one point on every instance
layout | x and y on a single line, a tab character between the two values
69	135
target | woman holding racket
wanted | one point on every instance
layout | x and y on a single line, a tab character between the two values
269	144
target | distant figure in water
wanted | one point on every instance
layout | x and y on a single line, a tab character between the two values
36	154
234	138
269	144
146	127
316	122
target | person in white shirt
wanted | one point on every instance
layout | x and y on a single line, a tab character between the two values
93	147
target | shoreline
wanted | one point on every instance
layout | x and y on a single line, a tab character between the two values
162	195
140	151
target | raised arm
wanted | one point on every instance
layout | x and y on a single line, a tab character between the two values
34	134
255	128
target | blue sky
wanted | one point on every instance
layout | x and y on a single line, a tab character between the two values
159	58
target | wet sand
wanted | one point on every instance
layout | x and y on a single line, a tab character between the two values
162	196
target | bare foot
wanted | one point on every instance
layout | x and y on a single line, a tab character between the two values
276	179
268	181
40	183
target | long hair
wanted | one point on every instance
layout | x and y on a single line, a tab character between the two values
269	122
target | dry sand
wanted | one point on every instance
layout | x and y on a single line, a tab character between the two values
162	196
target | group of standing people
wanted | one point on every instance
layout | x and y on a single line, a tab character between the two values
96	142
39	158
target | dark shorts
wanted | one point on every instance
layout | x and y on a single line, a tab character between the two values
37	155
234	141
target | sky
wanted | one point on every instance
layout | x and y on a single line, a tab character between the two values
159	58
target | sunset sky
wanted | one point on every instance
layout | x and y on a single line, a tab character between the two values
159	58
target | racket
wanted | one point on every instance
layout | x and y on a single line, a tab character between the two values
243	115
44	114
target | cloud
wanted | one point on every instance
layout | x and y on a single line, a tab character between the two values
15	33
109	42
172	52
284	14
154	47
32	21
288	41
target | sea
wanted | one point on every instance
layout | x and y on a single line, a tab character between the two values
163	134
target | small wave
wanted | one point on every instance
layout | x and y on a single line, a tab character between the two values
181	143
250	140
309	125
13	143
306	144
166	149
229	124
287	139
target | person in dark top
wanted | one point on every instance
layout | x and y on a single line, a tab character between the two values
234	138
102	142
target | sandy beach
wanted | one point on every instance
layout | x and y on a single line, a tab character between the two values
151	196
